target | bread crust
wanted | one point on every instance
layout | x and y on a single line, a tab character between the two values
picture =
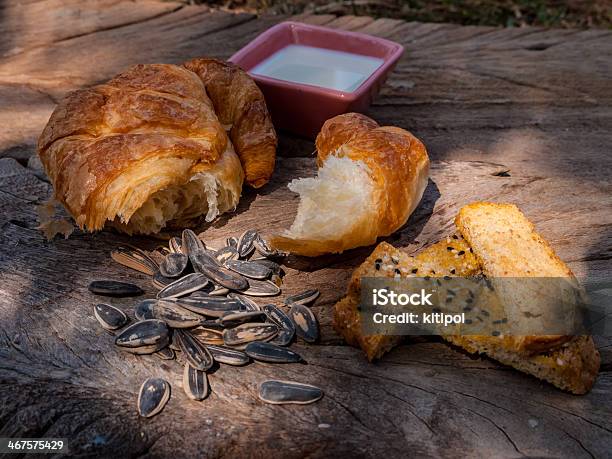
158	115
398	167
572	367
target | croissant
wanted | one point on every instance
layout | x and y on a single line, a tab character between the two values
370	180
146	150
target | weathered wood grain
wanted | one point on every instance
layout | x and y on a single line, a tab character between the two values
26	25
533	103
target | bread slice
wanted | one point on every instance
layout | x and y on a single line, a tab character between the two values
510	250
570	363
506	242
450	257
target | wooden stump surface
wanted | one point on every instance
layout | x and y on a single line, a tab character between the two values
517	115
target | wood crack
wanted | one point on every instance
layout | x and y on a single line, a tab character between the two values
585	449
505	434
588	421
483	401
410	410
353	415
227	27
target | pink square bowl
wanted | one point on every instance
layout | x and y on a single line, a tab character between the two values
303	108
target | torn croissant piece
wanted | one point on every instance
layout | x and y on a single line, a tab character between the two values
143	151
499	242
370	180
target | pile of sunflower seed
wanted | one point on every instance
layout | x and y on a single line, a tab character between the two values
204	313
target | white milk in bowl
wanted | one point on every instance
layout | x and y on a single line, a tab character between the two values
327	68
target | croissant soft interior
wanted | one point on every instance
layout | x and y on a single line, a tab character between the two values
146	150
338	201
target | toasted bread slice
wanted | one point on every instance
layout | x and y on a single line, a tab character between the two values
450	257
506	242
510	250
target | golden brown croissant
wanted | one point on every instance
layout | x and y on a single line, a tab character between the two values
144	151
369	181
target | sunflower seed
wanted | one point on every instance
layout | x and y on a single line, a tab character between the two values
174	315
304	298
249	269
172	343
175	244
306	325
247	303
201	258
109	316
271	353
144	337
284	337
245	243
195	352
261	288
173	264
213	324
281	392
246	333
160	281
114	288
206	297
232	319
183	286
232	242
190	243
228	356
157	256
262	247
208	336
144	309
148	349
224	277
212	289
274	267
143	333
135	259
237	347
152	397
286	325
215	307
226	253
195	383
166	353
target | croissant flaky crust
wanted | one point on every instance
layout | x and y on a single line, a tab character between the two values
370	180
147	149
240	106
